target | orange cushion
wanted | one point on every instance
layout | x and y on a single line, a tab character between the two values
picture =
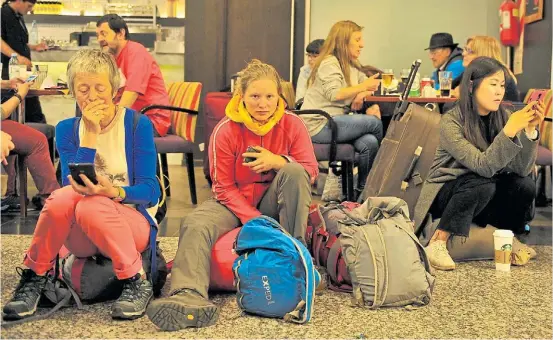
185	95
546	128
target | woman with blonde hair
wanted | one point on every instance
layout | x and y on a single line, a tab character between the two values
262	162
486	46
338	86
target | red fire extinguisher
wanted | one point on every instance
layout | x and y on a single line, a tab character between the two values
509	27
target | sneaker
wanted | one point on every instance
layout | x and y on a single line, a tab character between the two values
184	308
11	202
26	296
439	256
136	295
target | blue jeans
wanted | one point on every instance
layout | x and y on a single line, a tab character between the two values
364	132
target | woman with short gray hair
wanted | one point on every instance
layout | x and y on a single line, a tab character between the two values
111	212
93	61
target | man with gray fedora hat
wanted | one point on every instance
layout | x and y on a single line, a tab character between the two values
445	56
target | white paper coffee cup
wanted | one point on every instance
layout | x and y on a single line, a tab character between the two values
503	244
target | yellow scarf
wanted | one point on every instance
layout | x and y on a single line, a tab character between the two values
236	111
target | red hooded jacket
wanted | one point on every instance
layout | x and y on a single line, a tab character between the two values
235	185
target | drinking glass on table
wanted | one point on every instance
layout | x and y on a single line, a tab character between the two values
42	73
446	78
387	78
404	75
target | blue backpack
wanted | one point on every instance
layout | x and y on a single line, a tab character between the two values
274	272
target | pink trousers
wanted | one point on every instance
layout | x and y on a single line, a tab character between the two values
88	225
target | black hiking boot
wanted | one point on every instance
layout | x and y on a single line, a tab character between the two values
184	308
26	296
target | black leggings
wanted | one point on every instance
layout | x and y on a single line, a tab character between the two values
502	201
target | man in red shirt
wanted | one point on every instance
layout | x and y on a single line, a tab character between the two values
142	82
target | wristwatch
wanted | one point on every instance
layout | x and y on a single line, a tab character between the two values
18	96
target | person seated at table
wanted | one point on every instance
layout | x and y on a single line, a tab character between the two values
338	86
486	46
275	182
113	217
375	108
312	51
481	170
445	56
142	83
29	143
15	39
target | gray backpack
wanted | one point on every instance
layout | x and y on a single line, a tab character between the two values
387	264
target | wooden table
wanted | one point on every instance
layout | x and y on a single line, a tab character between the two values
20	118
32	93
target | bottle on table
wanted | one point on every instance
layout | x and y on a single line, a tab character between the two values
427	90
415	88
14	67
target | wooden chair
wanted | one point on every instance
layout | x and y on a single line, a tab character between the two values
341	157
185	101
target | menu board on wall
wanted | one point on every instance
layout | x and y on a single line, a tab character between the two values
534	11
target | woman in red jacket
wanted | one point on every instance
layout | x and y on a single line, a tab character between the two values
273	179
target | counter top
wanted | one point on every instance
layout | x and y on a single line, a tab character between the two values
65	55
82	20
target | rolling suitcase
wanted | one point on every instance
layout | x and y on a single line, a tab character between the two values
407	151
215	104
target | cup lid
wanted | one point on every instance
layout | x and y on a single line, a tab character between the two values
503	233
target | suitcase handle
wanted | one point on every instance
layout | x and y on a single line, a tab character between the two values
409	172
401	106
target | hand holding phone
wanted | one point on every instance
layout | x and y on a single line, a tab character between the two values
537	100
86	169
250	159
31	78
538	116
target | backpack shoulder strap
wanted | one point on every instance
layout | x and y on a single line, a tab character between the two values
376	248
422	252
153	229
312	278
332	263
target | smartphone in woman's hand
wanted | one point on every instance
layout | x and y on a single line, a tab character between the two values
250	159
86	169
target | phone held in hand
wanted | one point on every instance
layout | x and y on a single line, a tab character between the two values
250	159
86	169
31	78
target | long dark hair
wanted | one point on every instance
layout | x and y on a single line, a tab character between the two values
474	128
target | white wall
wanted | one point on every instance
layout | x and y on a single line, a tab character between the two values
396	32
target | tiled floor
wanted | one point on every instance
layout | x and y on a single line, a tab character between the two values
179	205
